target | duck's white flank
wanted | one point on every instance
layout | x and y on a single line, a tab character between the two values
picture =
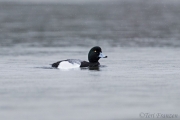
68	65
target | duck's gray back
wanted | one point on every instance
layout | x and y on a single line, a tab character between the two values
77	61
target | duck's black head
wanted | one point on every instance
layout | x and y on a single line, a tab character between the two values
95	54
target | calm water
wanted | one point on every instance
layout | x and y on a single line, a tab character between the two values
140	75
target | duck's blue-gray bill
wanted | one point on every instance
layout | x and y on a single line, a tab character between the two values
102	56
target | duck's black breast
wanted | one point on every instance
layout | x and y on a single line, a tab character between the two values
84	64
96	64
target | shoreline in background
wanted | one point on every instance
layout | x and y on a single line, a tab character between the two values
89	2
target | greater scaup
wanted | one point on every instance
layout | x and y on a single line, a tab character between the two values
94	55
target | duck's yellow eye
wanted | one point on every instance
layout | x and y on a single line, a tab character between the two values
95	51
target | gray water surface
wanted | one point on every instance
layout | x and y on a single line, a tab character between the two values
140	75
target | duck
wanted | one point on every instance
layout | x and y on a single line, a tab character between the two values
94	55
